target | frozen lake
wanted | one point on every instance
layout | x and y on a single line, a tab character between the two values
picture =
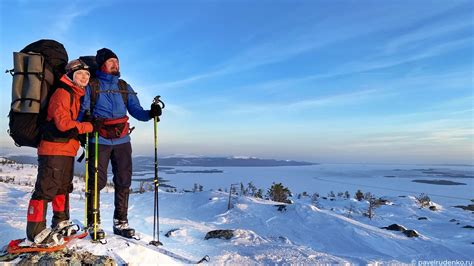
379	179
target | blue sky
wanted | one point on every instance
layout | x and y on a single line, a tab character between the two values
323	81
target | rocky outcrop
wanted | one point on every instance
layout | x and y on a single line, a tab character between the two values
401	228
223	234
172	232
395	227
411	233
66	257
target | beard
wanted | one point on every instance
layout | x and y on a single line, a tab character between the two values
115	73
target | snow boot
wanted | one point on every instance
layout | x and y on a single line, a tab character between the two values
121	228
48	238
100	234
36	218
60	209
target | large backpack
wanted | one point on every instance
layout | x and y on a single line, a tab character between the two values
36	73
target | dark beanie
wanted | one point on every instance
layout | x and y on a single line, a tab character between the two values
103	55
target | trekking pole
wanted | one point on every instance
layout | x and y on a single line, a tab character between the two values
156	213
86	189
96	173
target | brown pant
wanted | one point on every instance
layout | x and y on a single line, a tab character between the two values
121	158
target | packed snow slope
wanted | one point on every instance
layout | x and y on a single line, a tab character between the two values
332	230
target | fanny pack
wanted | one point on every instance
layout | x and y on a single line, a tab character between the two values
115	128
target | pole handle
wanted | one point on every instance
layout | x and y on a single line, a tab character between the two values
159	102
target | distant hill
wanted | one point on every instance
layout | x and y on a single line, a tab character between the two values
194	161
146	162
228	161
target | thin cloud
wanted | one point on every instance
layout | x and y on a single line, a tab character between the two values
411	138
337	100
295	43
373	65
64	21
328	101
421	35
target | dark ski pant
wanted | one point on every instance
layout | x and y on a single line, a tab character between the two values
53	184
120	157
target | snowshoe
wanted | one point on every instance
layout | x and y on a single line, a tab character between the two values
122	228
48	238
66	228
44	242
20	246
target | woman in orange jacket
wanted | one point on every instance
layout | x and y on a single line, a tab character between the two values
56	152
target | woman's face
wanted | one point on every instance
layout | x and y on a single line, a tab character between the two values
81	77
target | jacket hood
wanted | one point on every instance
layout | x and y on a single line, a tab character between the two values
77	89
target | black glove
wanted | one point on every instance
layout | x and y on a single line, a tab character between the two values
73	133
87	117
97	124
155	110
82	139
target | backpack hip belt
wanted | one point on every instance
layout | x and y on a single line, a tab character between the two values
115	128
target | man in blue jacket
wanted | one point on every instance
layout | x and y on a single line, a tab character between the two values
106	103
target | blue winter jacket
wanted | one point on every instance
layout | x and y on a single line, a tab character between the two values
111	105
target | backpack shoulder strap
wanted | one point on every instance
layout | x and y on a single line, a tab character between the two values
123	87
94	84
71	94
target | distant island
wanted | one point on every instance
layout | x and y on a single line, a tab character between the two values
210	171
438	182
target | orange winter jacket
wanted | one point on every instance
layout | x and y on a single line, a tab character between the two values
64	115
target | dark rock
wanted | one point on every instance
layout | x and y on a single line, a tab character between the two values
395	227
422	218
224	234
411	233
170	232
380	202
469	207
468	227
433	208
453	220
281	207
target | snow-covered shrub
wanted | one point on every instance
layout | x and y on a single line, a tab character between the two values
314	198
252	189
279	193
350	210
331	194
359	195
372	205
423	200
347	195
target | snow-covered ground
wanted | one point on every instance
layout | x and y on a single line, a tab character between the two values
329	231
